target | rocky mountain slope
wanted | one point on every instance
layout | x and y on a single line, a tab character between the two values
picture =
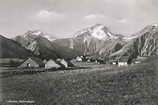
145	44
41	45
65	48
36	42
11	49
97	40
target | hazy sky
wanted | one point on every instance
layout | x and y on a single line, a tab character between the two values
62	18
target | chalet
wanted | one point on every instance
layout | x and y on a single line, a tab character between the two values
123	61
62	62
136	61
70	64
51	64
92	59
96	61
139	59
44	61
78	59
114	62
88	60
101	60
32	62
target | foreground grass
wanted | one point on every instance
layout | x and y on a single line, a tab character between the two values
136	85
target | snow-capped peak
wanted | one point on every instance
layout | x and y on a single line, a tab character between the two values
33	33
101	32
49	37
97	32
156	25
37	33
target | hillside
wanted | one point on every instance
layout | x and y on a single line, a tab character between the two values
11	49
145	44
65	48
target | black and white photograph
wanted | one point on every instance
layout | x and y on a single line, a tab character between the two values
78	52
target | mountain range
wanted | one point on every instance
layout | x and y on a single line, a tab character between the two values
94	41
99	41
43	46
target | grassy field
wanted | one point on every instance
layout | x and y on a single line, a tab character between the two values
95	85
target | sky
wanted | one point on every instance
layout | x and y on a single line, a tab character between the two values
63	18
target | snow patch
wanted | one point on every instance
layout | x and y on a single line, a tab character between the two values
156	25
71	44
49	37
37	33
98	32
109	34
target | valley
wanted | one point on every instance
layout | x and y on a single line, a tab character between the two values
95	67
96	85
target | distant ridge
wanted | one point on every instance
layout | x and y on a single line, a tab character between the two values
144	44
38	44
96	40
12	49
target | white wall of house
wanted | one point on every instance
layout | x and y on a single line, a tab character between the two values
63	62
88	60
137	62
78	59
51	64
114	63
122	64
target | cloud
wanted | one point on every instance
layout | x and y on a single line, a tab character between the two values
94	16
123	20
47	16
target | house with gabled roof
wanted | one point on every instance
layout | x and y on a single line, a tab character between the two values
63	63
123	61
52	64
32	62
78	59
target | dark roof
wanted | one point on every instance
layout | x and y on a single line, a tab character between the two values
59	63
37	60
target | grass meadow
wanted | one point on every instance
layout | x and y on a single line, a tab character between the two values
95	85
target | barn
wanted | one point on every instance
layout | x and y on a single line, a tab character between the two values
51	64
32	62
